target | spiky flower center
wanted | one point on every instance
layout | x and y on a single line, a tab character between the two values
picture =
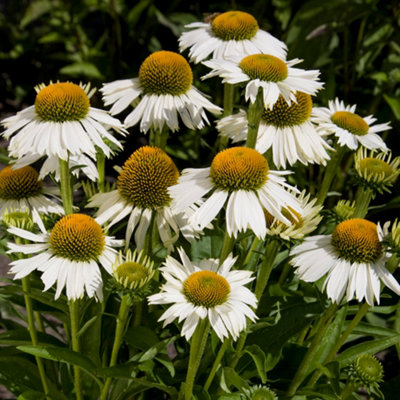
21	183
60	102
262	393
131	272
351	122
165	72
264	67
293	216
375	166
146	176
206	289
282	115
239	168
77	237
368	369
356	240
234	25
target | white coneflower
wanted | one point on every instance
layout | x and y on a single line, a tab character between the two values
272	75
69	255
142	190
287	129
353	259
241	177
206	290
61	122
77	163
228	35
165	89
350	128
21	189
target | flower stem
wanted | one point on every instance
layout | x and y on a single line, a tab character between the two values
229	93
119	331
101	169
354	322
305	364
65	186
33	333
330	173
266	267
363	198
254	117
252	253
197	346
216	363
227	247
161	137
74	315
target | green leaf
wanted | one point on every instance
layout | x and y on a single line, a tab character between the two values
394	104
369	347
31	395
259	359
231	378
35	11
82	69
21	337
330	338
59	354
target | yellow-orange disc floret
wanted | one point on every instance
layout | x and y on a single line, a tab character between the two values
234	25
165	72
284	115
239	168
146	176
264	67
60	102
206	288
21	183
77	237
356	240
351	122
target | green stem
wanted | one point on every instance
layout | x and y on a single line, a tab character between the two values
266	267
74	313
348	390
229	93
330	173
65	186
252	253
101	169
33	333
216	363
354	322
262	280
152	138
227	247
254	117
197	346
305	364
363	198
119	332
239	347
161	138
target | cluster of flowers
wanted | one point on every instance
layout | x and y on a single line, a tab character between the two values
69	136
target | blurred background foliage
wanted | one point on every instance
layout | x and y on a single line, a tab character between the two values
355	44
